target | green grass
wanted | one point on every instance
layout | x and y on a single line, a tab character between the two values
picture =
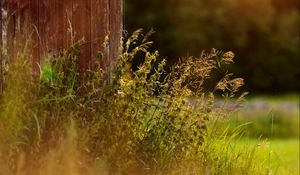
275	120
282	153
267	117
288	152
269	126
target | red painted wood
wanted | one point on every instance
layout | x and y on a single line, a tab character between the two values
57	8
64	23
116	26
47	23
62	15
82	28
46	30
33	28
99	30
22	20
11	29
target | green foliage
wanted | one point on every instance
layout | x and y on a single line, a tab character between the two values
141	121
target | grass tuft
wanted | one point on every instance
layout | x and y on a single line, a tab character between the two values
142	120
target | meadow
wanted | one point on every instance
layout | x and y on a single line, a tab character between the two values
283	153
271	123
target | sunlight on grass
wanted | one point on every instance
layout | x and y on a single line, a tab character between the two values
288	151
282	153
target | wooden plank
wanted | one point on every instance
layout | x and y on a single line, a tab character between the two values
64	23
59	27
11	30
116	28
43	26
22	21
90	19
47	28
33	29
82	28
55	17
26	29
99	29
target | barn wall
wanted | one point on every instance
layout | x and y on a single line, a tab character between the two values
48	24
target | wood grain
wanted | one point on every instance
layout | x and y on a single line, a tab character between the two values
48	24
82	28
116	28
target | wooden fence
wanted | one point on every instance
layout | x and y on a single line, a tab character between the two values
47	23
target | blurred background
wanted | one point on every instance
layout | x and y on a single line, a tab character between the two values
264	35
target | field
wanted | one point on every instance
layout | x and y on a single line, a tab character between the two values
283	153
288	153
270	123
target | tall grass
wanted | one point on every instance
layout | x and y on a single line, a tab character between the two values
141	121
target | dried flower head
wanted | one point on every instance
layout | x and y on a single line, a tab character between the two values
236	84
227	57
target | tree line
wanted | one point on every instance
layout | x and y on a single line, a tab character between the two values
264	35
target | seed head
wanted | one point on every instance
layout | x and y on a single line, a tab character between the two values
228	57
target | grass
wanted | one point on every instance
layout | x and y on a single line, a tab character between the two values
283	152
275	121
288	152
267	117
141	121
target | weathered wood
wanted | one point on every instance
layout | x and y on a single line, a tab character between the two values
58	24
65	15
99	30
116	26
11	29
48	24
82	28
33	25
